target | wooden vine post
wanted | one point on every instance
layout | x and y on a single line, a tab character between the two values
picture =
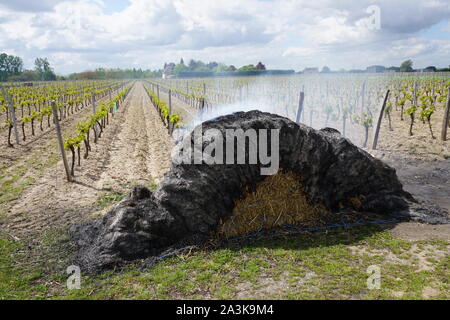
415	94
300	106
363	95
93	102
12	113
446	121
170	111
14	120
202	106
377	130
60	141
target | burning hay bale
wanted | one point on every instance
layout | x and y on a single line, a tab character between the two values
277	200
320	173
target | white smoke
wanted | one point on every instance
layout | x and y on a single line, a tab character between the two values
280	95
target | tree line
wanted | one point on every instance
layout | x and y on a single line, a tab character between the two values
106	74
198	68
11	69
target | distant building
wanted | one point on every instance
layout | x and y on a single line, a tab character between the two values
430	69
311	70
168	70
260	66
375	69
354	71
392	69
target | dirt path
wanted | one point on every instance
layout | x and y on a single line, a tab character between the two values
24	165
141	149
42	138
134	149
427	178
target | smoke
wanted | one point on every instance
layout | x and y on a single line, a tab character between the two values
333	101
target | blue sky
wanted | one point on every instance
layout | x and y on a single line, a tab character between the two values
78	35
116	6
437	31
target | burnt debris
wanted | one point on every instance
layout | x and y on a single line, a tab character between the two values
194	200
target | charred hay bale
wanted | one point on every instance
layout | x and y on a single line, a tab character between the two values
320	173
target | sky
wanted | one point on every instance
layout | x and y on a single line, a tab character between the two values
80	35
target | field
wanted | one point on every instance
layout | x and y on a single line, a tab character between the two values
126	140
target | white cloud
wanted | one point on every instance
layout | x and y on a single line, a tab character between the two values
79	34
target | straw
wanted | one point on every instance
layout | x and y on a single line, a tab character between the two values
277	200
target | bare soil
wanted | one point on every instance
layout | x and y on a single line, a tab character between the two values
187	113
134	149
421	142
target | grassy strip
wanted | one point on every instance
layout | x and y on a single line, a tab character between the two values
14	181
312	266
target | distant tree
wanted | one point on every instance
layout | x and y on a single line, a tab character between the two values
202	68
249	67
196	65
406	66
9	66
396	69
221	67
182	61
168	68
260	66
212	65
180	68
192	64
101	73
27	75
232	68
154	74
325	69
43	69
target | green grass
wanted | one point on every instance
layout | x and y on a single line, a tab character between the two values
317	266
15	282
14	181
110	198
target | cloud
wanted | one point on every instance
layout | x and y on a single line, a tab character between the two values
30	6
82	34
